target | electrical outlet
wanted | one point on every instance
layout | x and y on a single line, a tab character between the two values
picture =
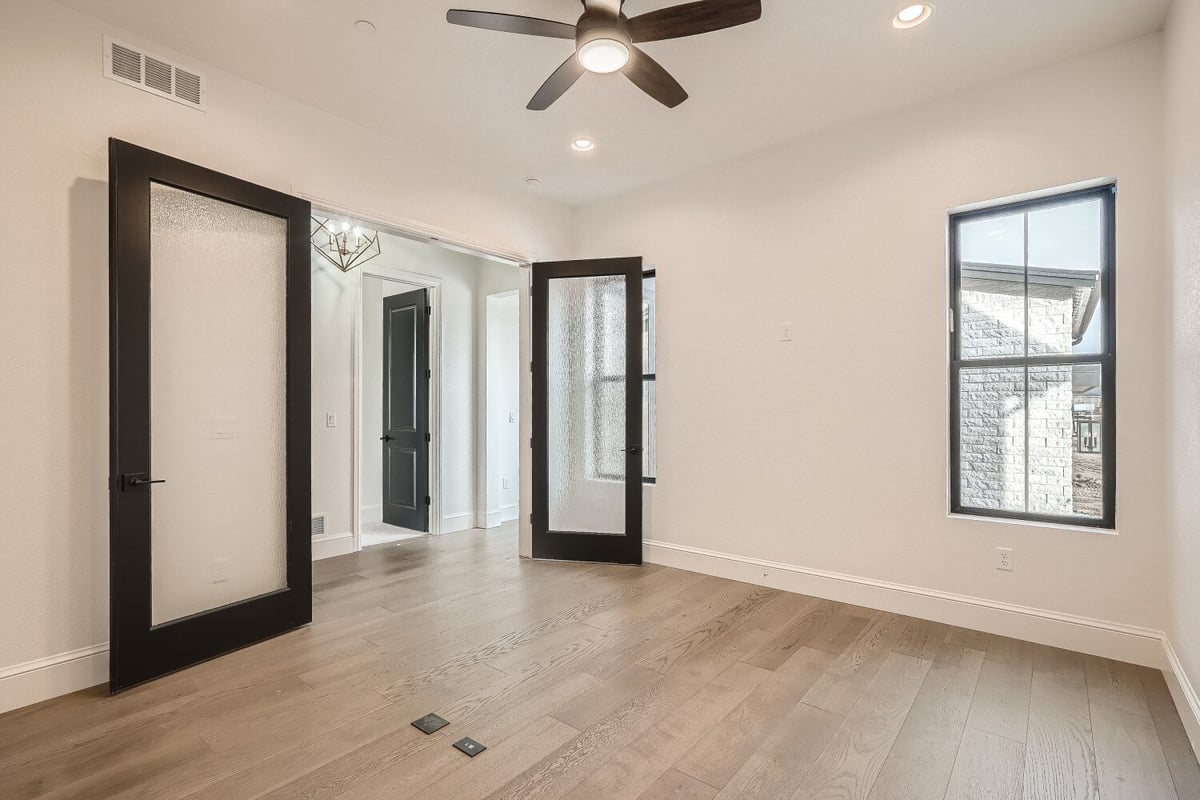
504	481
330	419
1004	559
785	331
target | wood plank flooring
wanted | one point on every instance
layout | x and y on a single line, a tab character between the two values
600	682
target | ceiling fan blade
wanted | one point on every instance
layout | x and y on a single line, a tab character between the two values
691	19
651	78
557	84
511	23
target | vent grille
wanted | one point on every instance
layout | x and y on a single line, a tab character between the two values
159	75
318	525
131	66
126	63
187	86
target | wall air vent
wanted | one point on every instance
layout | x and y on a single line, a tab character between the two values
318	525
134	67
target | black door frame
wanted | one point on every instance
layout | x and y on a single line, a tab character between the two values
422	376
139	650
577	546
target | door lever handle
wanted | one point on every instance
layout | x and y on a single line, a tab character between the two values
386	438
138	479
637	448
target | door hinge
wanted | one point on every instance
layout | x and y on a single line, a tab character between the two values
428	311
950	315
428	438
428	501
428	374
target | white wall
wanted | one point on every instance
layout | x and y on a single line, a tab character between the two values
830	452
1183	420
503	404
59	113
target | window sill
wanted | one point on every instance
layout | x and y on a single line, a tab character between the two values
1029	523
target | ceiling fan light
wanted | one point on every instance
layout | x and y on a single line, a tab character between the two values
604	55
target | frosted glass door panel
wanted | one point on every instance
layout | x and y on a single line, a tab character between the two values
586	395
218	285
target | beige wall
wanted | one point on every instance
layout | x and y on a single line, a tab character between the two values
1183	421
830	452
59	113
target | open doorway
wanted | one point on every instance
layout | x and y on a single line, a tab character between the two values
438	392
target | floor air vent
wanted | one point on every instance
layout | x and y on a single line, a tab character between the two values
318	525
134	67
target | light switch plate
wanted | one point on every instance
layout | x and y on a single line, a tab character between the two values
330	419
785	331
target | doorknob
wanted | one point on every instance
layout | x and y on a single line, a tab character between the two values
386	438
136	479
637	448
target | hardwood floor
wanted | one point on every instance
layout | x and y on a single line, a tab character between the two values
593	682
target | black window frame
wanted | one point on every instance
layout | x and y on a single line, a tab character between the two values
651	377
1106	358
647	377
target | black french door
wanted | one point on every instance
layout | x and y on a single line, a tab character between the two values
405	436
587	410
209	538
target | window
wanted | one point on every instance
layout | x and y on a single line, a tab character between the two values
649	405
1033	360
608	385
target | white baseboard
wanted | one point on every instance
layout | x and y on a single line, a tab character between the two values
1184	694
34	681
370	514
453	523
332	544
1083	634
509	513
489	520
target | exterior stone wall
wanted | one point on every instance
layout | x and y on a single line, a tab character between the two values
992	400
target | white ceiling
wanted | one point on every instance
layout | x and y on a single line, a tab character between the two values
807	65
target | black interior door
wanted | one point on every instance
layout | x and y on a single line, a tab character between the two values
406	410
210	546
587	410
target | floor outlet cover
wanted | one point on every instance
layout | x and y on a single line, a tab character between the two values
429	723
470	746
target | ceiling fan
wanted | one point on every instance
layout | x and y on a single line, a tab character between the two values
605	38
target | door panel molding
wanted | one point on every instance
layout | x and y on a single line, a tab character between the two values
140	651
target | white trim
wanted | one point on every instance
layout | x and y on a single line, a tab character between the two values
1184	693
45	678
1093	183
434	286
1082	634
370	514
453	523
509	513
332	544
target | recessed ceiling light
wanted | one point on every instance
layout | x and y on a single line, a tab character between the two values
364	26
583	145
912	16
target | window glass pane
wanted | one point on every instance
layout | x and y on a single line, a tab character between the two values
648	359
992	439
1066	252
649	449
992	287
997	239
1066	476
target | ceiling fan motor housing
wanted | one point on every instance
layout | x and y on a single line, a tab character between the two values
593	26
